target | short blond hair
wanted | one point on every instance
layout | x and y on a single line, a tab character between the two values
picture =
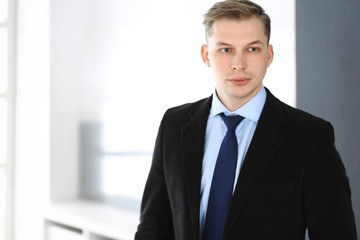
235	10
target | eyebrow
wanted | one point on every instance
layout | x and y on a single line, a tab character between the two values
228	44
255	42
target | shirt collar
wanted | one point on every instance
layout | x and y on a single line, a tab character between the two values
251	110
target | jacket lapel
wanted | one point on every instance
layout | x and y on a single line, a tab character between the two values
192	140
265	143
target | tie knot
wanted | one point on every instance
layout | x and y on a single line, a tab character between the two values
231	122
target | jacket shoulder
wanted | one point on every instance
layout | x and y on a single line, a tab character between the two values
301	117
188	107
302	124
293	120
183	112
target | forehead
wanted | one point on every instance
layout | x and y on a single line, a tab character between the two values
238	31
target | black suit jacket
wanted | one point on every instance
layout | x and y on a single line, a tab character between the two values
292	178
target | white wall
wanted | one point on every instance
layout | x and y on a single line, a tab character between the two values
32	118
68	31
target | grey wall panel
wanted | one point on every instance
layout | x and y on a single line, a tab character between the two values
328	75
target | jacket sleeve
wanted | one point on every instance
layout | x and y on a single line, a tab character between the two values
326	191
155	217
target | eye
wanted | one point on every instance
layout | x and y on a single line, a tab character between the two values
253	49
225	50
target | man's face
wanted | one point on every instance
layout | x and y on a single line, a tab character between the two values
239	56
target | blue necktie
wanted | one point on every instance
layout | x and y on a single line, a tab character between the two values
223	181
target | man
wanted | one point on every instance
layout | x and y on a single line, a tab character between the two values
270	174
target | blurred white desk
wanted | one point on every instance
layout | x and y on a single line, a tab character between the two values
87	220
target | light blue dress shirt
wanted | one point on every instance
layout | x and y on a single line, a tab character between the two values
215	133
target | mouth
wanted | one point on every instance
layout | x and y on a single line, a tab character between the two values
241	81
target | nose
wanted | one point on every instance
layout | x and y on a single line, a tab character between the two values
239	62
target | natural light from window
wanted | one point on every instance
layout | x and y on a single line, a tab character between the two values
4	4
2	204
3	132
3	59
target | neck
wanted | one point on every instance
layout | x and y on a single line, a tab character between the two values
233	105
235	102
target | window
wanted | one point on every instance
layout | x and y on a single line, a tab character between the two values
6	108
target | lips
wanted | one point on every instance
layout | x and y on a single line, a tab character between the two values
240	81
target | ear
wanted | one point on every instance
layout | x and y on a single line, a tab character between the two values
271	54
205	55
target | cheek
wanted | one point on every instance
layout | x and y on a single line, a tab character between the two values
218	63
260	64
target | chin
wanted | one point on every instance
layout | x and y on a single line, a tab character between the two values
244	93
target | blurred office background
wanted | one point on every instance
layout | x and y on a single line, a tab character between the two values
77	76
